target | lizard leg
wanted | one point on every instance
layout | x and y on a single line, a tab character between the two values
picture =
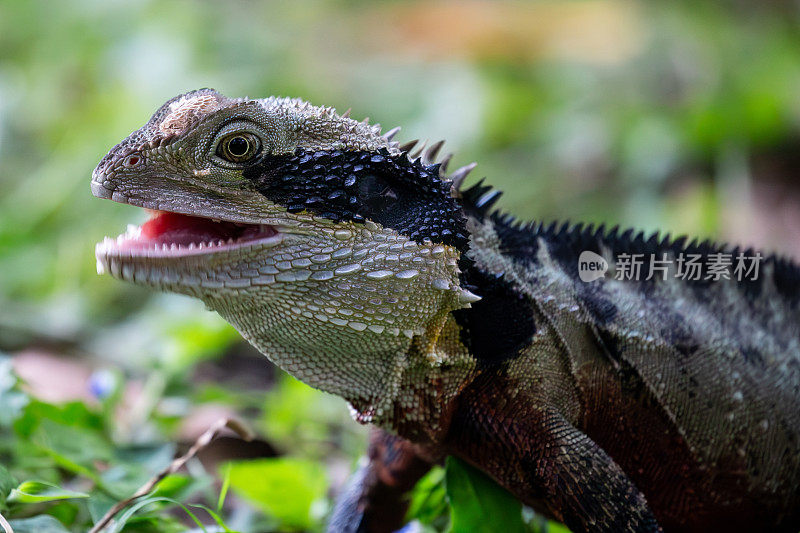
589	489
373	501
557	469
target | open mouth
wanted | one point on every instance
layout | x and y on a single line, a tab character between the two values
168	234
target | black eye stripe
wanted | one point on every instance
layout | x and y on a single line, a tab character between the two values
388	189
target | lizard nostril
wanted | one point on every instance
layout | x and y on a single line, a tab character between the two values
132	160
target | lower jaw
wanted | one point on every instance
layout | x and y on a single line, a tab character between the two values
169	265
184	275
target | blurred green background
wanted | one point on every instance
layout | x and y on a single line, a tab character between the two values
679	116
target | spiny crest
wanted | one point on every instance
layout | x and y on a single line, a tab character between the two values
567	240
478	199
294	104
628	240
581	235
422	154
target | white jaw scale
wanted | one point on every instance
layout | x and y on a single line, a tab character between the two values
129	246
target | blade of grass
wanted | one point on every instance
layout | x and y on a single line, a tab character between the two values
144	503
220	522
201	442
223	491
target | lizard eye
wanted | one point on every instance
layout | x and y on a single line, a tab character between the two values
239	147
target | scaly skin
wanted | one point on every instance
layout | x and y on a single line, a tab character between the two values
365	272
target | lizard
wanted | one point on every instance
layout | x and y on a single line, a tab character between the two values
362	268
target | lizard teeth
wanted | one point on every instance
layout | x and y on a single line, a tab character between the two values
132	245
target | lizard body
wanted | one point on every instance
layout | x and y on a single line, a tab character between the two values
611	405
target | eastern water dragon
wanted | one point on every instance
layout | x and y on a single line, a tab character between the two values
365	270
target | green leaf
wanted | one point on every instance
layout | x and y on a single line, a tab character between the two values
284	488
41	491
7	483
536	523
80	445
12	401
74	414
131	467
37	524
67	511
171	485
555	527
428	500
99	503
296	414
479	504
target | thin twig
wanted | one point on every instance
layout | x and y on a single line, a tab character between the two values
201	442
6	526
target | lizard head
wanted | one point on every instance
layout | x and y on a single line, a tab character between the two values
322	241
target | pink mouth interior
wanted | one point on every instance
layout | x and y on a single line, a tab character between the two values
181	232
174	228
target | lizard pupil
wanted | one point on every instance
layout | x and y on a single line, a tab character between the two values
238	146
